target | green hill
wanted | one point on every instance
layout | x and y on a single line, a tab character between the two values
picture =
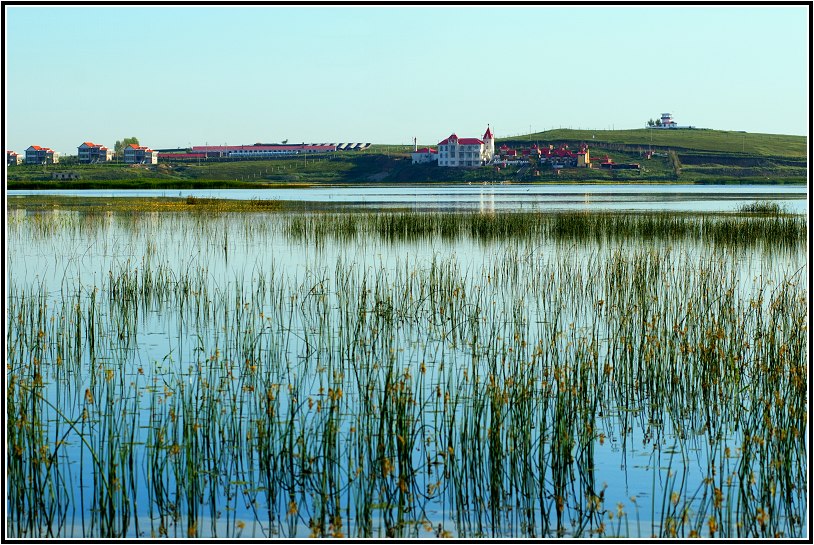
770	145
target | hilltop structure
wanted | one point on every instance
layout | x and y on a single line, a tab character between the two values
666	122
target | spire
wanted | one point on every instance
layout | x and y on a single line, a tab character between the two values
488	134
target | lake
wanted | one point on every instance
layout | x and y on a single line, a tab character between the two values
571	374
505	197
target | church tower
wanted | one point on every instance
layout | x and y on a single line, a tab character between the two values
489	144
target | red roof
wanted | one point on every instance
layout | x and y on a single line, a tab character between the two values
504	147
426	150
445	141
462	141
36	148
488	133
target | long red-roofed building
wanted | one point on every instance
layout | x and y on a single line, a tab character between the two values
262	151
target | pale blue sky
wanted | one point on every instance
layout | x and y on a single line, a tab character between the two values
178	75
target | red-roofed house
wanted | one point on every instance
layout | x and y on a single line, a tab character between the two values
89	152
142	155
466	152
38	155
425	155
13	158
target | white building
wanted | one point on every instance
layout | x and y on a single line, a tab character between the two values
466	152
667	122
425	155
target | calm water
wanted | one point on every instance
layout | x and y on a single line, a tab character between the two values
228	353
507	197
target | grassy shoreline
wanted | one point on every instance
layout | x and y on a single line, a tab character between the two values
133	205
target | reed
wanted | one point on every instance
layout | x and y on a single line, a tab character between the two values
415	395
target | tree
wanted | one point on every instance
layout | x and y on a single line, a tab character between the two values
118	148
650	122
285	141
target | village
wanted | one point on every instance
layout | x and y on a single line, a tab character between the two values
454	152
469	152
477	152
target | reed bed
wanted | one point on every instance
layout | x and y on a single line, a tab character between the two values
732	229
421	396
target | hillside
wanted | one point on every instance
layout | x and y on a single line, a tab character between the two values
679	156
734	142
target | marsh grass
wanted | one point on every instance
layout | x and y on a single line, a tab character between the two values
762	207
774	230
421	398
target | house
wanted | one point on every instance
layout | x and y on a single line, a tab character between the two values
533	151
141	155
38	155
466	152
13	158
425	155
88	153
560	157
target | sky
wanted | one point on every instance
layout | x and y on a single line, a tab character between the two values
175	76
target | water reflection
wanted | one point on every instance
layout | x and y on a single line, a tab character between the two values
262	372
506	197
